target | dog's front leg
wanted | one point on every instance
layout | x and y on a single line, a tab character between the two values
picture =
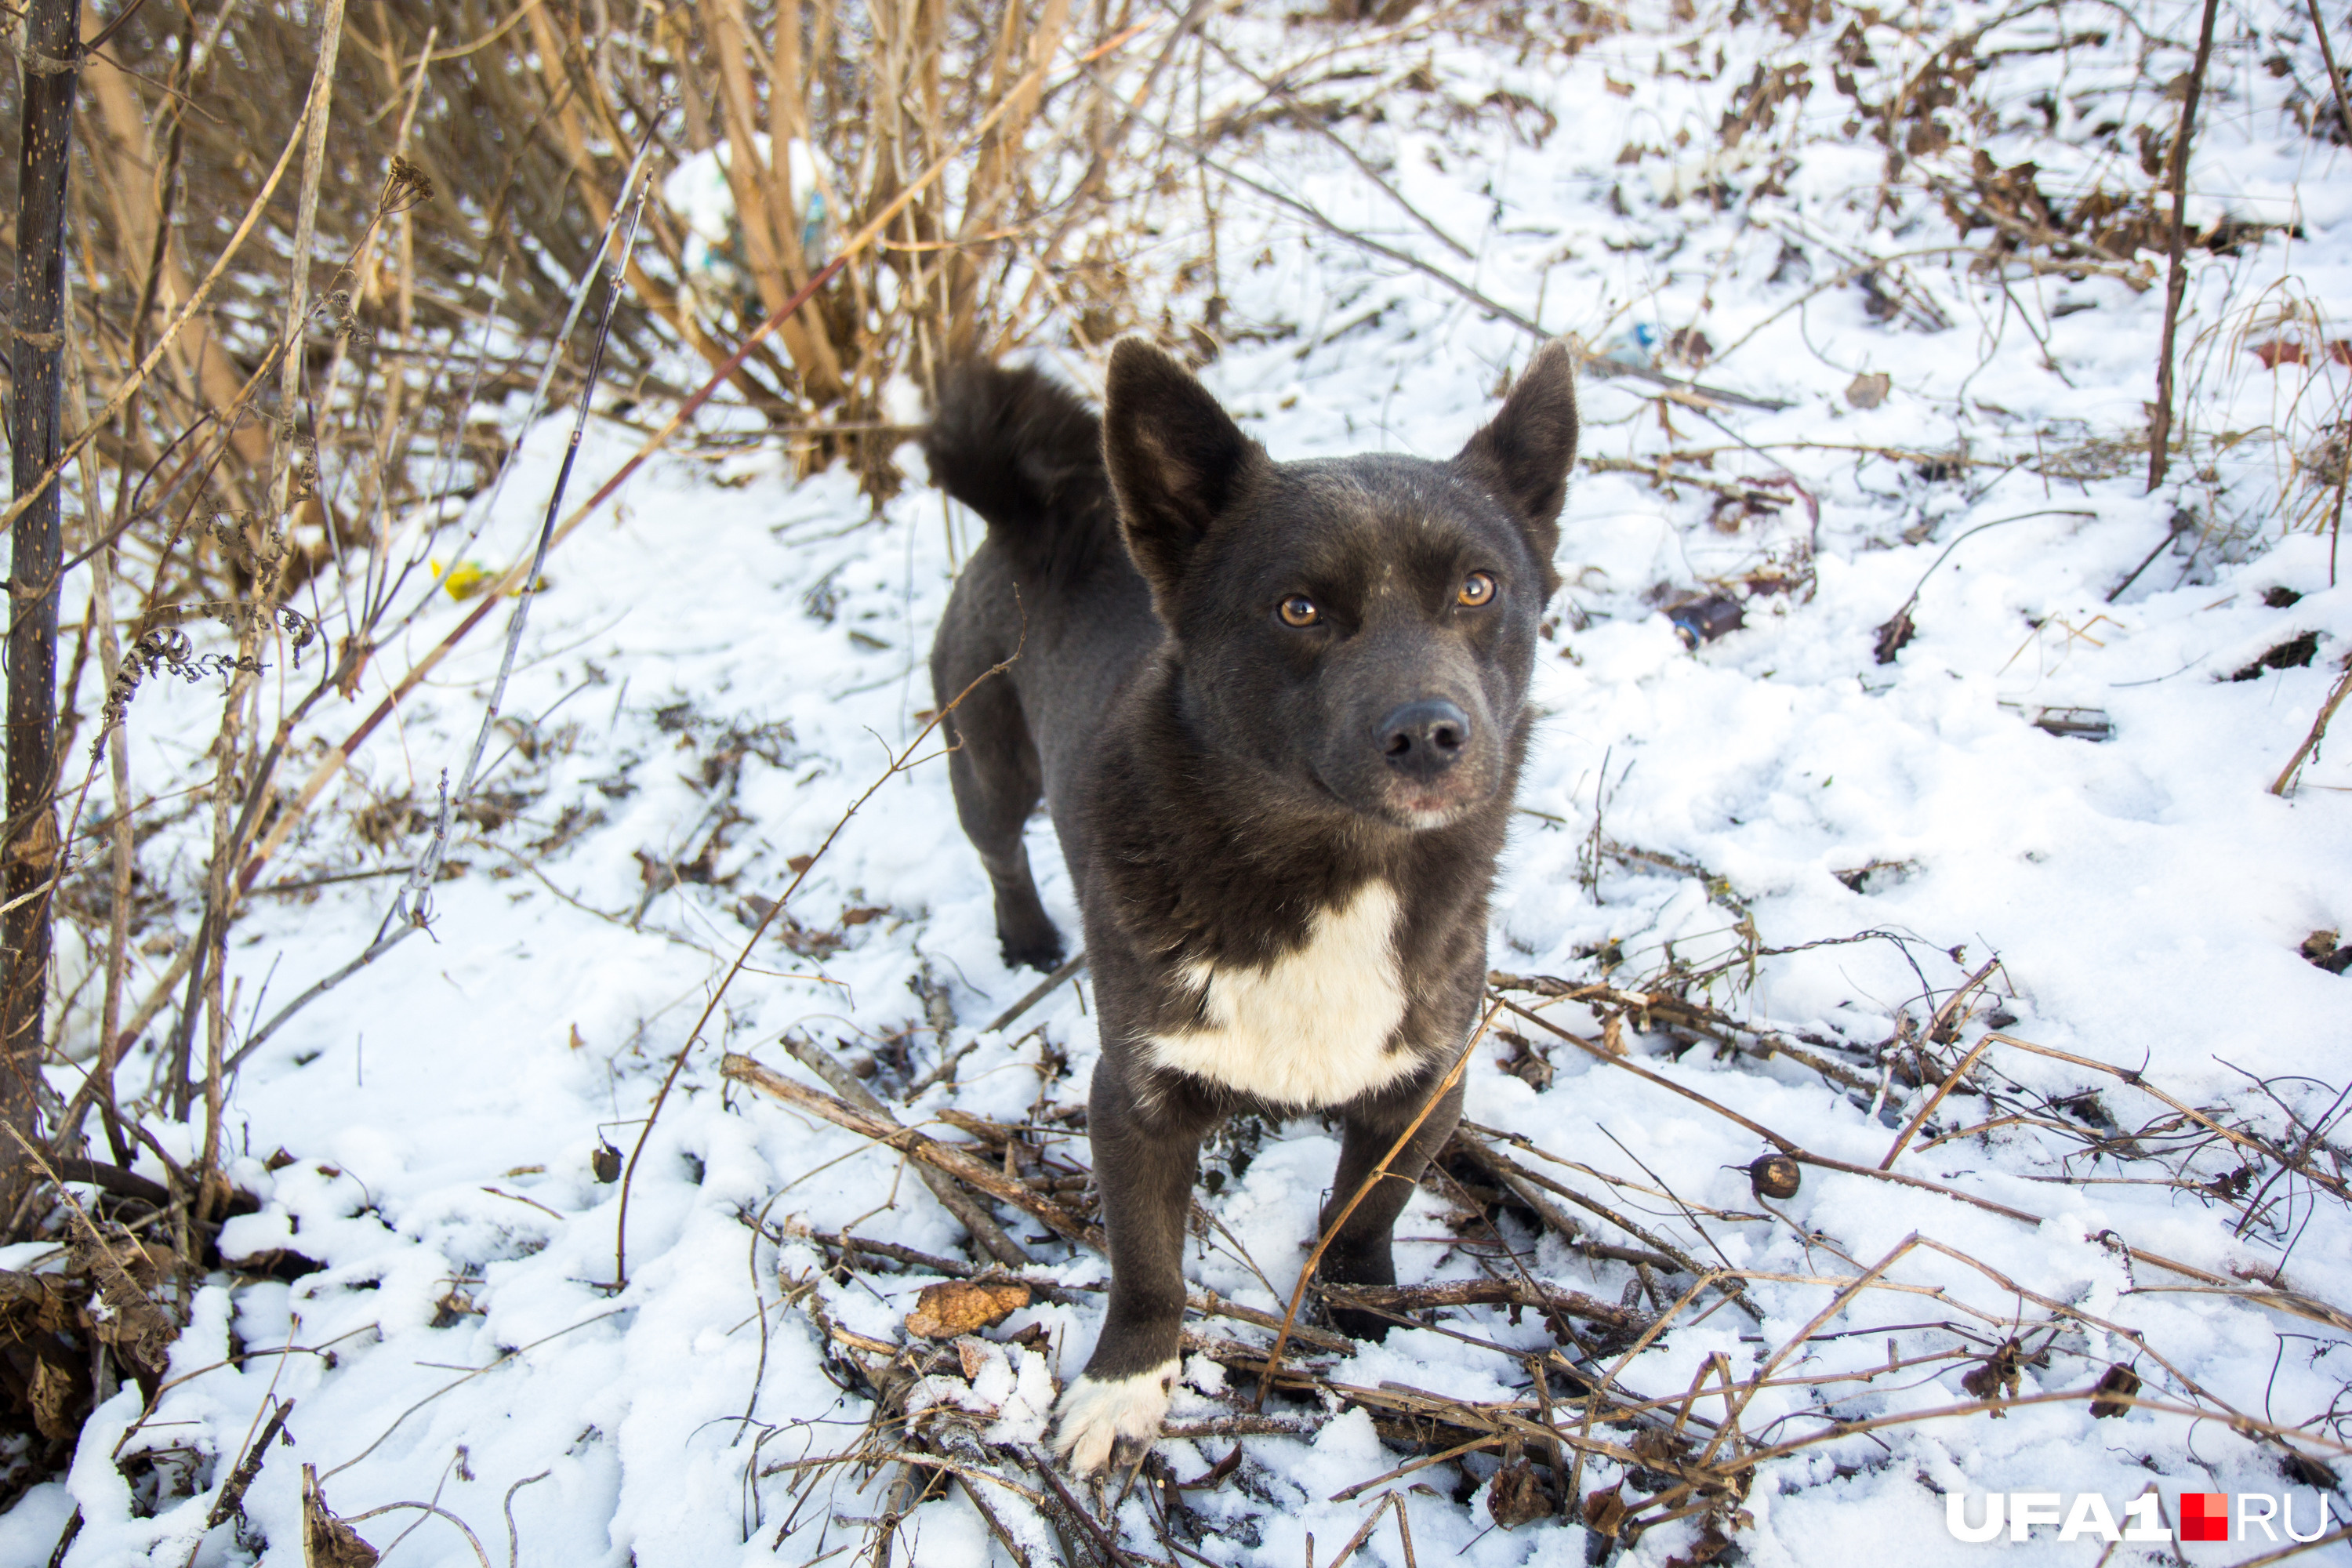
1360	1253
1146	1154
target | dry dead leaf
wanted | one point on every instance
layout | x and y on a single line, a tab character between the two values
1660	1447
1711	1544
1604	1511
54	1388
1996	1375
1869	390
1518	1496
328	1542
959	1307
132	1323
1613	1034
2120	1384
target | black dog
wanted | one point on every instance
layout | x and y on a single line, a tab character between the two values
1276	710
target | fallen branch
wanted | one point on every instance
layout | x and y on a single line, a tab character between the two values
985	1232
232	1499
940	1156
1403	1299
2269	1150
1521	1180
1786	1146
2286	781
1037	992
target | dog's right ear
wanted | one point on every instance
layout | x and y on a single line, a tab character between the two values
1177	460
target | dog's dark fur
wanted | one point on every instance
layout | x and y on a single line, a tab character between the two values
1282	835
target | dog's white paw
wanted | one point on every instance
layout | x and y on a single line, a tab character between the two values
1095	1415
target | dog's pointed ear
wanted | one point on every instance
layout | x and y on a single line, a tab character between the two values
1177	460
1524	453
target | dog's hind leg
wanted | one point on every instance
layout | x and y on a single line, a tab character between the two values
1360	1254
997	782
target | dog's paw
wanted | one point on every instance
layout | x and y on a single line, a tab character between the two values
1032	950
1094	1416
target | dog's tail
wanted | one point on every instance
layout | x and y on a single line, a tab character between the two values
1026	453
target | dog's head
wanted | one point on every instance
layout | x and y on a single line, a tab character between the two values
1360	629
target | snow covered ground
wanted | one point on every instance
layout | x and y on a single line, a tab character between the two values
726	662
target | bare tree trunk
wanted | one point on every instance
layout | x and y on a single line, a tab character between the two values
52	41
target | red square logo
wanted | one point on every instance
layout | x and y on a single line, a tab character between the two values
2204	1516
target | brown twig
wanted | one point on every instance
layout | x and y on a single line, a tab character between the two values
1911	1128
1785	1145
2175	281
466	1530
2334	77
2269	1150
1837	1303
1012	1548
1403	1299
2284	1552
2286	781
1067	968
1521	1180
1364	1531
985	1232
231	1497
940	1156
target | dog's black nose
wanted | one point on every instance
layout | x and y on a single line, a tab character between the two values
1426	737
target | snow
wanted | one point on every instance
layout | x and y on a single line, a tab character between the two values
726	650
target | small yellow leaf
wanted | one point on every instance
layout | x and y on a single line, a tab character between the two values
463	580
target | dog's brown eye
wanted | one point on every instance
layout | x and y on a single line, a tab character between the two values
1298	610
1479	588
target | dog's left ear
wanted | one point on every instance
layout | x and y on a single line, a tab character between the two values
1524	453
1177	460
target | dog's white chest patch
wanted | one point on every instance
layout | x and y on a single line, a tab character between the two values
1311	1028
